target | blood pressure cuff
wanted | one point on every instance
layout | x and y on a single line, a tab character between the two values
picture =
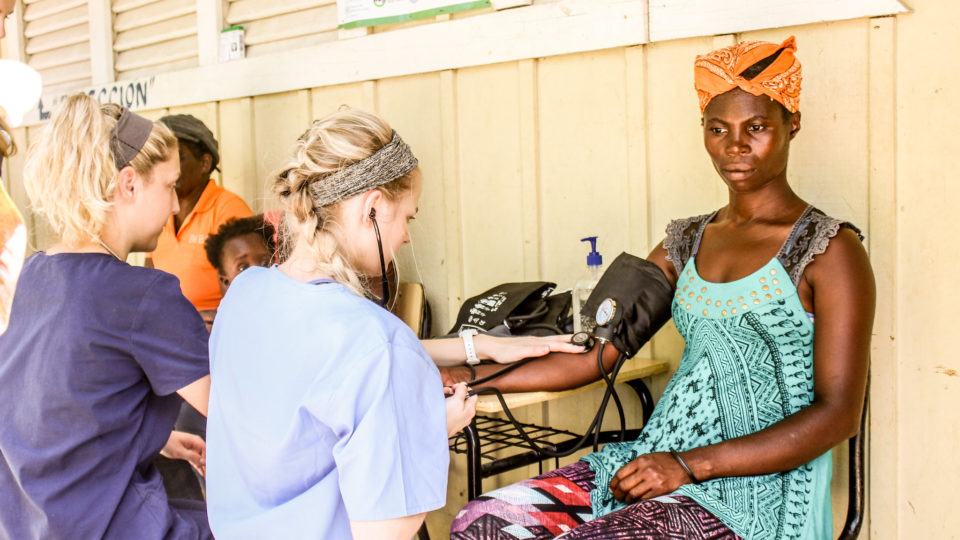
643	296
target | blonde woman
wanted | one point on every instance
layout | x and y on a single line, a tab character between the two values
97	350
327	415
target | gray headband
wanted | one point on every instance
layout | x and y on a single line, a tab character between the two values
387	164
128	137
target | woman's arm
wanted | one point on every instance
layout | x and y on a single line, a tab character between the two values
389	529
844	294
448	352
554	372
197	394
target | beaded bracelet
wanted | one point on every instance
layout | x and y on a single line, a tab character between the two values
683	464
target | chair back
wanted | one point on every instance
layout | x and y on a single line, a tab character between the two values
412	308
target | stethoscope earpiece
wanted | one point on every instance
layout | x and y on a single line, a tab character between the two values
384	285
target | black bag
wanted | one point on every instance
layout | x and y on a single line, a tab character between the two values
516	309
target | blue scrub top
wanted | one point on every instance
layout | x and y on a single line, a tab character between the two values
89	367
324	409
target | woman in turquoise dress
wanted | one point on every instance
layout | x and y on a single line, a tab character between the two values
775	302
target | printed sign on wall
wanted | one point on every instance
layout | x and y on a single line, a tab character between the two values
354	13
135	94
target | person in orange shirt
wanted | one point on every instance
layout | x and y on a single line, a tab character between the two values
204	207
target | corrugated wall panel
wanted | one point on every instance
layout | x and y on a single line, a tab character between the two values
272	25
56	40
154	36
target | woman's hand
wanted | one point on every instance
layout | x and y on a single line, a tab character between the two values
460	408
507	350
187	447
647	477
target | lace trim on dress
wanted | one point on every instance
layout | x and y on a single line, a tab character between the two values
810	238
682	237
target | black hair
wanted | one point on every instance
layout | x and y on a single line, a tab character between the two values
198	150
234	228
756	69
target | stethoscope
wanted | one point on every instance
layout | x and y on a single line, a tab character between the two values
606	316
607	321
384	282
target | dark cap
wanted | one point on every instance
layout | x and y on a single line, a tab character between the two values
190	128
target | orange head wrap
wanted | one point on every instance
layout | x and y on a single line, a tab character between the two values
721	71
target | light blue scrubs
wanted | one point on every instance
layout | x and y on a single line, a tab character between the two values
324	408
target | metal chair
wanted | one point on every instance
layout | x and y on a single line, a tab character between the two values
856	480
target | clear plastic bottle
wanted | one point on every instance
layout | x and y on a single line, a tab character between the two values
584	286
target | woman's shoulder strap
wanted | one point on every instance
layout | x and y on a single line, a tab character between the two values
683	239
809	238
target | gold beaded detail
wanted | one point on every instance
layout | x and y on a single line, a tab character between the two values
714	301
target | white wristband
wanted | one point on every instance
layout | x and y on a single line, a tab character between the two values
467	336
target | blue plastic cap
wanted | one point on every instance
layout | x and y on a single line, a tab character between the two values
593	258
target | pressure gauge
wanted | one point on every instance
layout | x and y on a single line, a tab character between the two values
606	312
582	339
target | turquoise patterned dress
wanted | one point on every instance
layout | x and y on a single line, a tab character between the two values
747	364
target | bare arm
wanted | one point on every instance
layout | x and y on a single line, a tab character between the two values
197	394
447	352
844	295
553	373
389	529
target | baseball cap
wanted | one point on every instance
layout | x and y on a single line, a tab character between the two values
190	128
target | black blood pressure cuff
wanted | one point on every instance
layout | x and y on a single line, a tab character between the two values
643	296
